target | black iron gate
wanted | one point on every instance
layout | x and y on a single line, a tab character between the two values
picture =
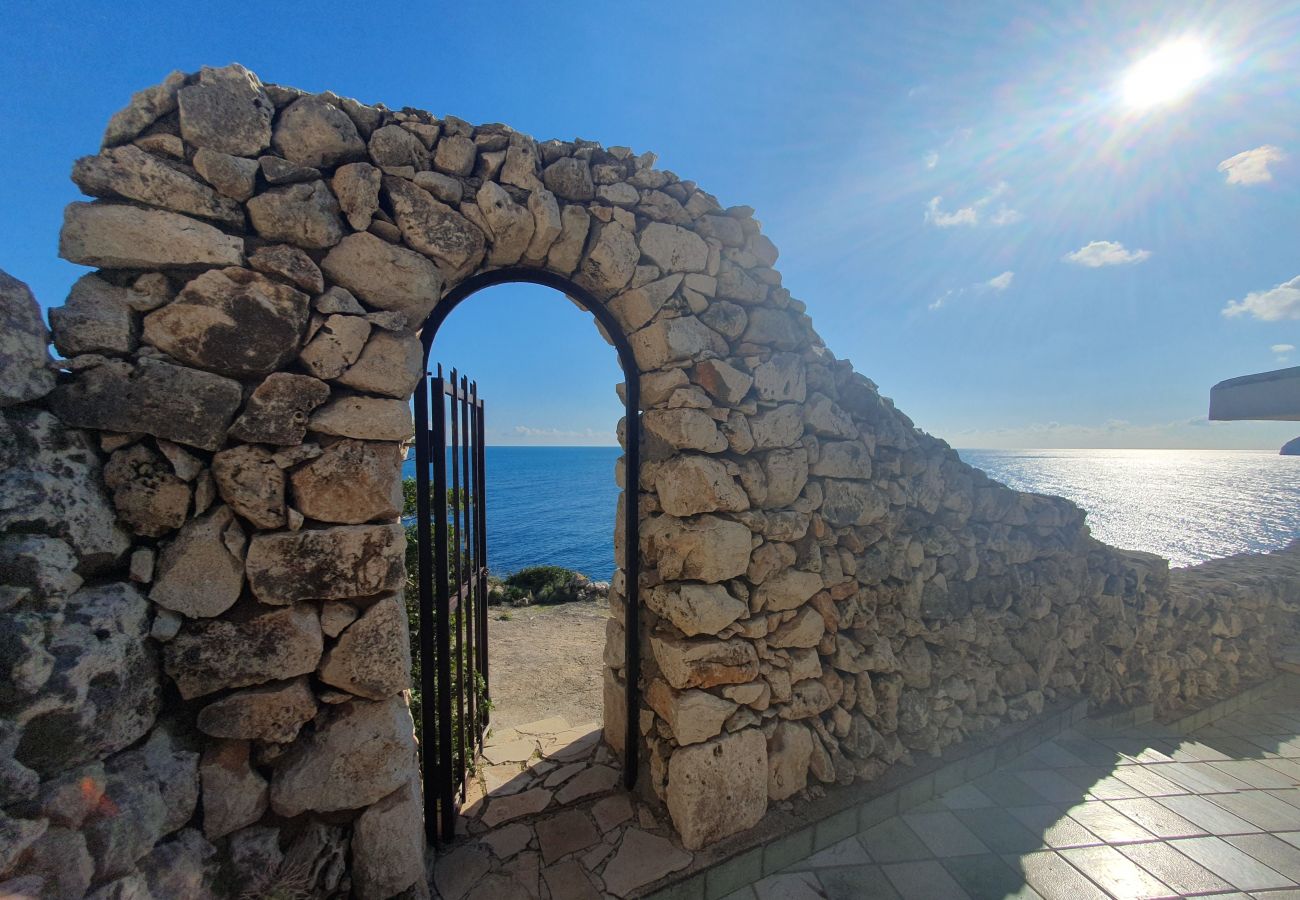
452	578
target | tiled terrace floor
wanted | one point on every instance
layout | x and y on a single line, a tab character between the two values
1098	812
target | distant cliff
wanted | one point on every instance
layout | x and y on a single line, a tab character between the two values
1291	447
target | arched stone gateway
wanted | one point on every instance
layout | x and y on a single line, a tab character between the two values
208	632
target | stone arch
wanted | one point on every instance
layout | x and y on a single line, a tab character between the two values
825	589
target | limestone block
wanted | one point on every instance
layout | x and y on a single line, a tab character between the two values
853	503
385	276
570	179
357	187
808	698
546	222
785	472
201	572
227	111
724	382
521	163
351	482
434	228
727	319
148	497
685	429
393	145
305	214
233	176
145	107
388	845
566	252
511	225
371	418
772	327
210	655
843	459
271	713
698	484
233	322
234	794
703	663
184	866
250	481
130	173
781	426
804	630
676	340
718	788
696	608
782	378
638	305
824	417
96	318
444	187
610	261
113	236
673	248
693	715
42	567
24	359
788	590
279	408
390	364
335	346
50	481
327	563
454	155
704	548
372	657
362	753
289	263
60	857
789	751
312	131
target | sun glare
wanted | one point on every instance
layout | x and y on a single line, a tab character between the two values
1171	72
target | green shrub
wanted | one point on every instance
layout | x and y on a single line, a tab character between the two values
546	584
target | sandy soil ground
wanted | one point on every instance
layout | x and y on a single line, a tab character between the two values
546	661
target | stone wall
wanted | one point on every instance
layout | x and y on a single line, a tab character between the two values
202	565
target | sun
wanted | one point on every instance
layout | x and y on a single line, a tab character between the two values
1168	74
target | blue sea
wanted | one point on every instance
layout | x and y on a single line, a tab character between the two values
555	505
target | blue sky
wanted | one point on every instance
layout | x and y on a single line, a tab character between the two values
926	169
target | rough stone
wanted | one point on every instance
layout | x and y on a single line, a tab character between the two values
210	655
272	713
704	548
673	248
804	630
304	214
789	751
705	663
227	111
145	107
724	382
371	418
312	131
698	484
183	867
853	503
60	857
393	145
149	499
696	608
361	753
25	372
231	321
512	225
373	655
718	788
249	480
782	378
638	305
113	236
693	715
667	341
335	346
685	429
610	260
357	187
570	179
546	223
351	482
435	229
234	794
385	276
390	365
327	563
566	252
289	263
129	173
843	459
781	426
454	155
279	408
233	176
388	845
789	590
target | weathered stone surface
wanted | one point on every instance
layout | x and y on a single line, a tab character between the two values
672	340
60	857
271	713
231	321
249	480
788	753
724	382
209	655
370	418
781	426
335	346
444	187
610	260
24	359
112	236
718	788
843	459
546	223
853	503
824	417
390	364
693	715
566	252
703	663
373	655
102	694
350	483
327	563
279	408
233	176
704	548
673	248
227	111
388	845
685	429
782	378
642	858
149	499
785	473
234	794
637	306
511	224
129	173
696	608
454	155
393	145
146	107
804	630
201	572
357	187
304	214
362	753
183	867
289	263
435	229
698	484
96	318
385	276
312	131
788	590
569	179
50	482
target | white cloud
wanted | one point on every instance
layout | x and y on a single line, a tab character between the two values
1282	348
974	213
1251	167
1273	305
1001	282
1105	253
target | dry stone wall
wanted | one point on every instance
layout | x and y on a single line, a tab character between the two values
205	649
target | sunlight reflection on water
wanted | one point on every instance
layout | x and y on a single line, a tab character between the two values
1187	505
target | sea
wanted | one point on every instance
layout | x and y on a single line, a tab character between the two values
555	505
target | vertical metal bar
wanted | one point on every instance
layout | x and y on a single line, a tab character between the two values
481	510
456	501
632	577
471	581
424	580
446	782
